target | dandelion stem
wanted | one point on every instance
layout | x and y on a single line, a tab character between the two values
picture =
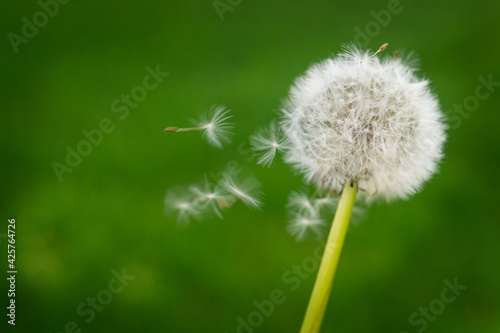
323	285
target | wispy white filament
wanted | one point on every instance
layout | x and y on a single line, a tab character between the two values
305	214
179	203
217	131
267	141
301	224
299	202
210	198
327	203
247	188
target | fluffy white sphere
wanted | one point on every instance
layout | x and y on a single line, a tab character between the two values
357	118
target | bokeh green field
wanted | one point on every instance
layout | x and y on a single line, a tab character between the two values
108	214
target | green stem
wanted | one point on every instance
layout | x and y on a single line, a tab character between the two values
323	285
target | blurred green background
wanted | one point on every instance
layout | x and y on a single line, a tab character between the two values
107	214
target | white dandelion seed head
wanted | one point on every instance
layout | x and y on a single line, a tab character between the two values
217	131
267	141
361	119
302	224
245	188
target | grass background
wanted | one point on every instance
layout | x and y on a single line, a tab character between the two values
108	213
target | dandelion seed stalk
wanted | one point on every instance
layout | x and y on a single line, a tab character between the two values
177	129
323	285
213	124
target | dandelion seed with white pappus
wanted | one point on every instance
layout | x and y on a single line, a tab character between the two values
329	202
305	217
267	141
299	202
210	198
301	224
183	205
246	188
216	129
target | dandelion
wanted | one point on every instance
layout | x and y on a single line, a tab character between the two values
298	201
301	224
306	213
183	205
356	122
216	129
267	142
210	198
246	189
206	198
329	202
359	119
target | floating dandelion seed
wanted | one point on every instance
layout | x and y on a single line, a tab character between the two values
305	216
211	198
181	204
247	189
267	142
300	203
214	126
301	224
217	131
327	203
306	213
206	198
